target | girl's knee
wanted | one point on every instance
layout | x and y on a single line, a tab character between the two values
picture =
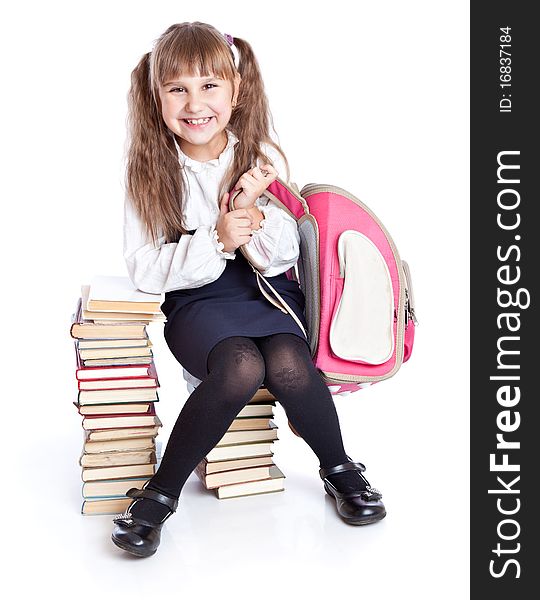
237	390
248	375
288	377
240	368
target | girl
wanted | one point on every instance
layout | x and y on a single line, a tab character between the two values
199	125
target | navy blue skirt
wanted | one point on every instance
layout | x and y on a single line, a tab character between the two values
232	305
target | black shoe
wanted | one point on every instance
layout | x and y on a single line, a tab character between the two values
137	536
356	508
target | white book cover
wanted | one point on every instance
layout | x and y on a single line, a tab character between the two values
113	288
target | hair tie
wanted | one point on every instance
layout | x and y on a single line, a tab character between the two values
229	38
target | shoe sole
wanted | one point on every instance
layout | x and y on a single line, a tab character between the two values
352	520
131	550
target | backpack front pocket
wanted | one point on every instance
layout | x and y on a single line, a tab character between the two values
362	327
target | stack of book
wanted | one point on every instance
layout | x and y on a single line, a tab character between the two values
242	464
117	390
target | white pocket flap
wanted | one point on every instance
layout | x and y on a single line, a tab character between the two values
362	329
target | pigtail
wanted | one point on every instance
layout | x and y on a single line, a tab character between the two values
251	117
153	177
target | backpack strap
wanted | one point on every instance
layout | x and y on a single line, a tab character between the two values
288	199
284	306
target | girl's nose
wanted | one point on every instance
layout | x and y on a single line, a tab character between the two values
194	103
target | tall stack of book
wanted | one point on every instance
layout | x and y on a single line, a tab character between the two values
241	464
117	390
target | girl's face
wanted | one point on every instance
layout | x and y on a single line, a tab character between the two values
197	110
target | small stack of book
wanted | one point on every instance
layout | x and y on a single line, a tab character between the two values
241	464
117	389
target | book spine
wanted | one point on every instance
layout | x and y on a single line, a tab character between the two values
127	386
110	374
200	472
86	397
130	458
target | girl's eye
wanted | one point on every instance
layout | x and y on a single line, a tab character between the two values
181	89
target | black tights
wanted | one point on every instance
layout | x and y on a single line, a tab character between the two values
237	367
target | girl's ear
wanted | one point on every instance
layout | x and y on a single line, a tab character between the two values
237	81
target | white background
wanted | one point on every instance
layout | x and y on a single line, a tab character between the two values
372	97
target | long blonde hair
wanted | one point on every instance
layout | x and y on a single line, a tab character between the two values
154	181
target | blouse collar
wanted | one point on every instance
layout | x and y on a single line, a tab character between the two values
197	166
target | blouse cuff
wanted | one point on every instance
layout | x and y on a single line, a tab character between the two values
264	245
262	227
271	223
219	245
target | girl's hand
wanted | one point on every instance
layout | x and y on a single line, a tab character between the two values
234	227
253	183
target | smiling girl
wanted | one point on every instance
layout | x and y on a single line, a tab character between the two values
199	127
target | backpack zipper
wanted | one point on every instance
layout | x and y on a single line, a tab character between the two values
410	312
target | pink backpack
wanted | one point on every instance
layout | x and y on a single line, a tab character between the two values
359	297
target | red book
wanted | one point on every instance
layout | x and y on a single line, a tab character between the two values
118	383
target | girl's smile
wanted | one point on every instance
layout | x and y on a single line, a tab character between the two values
198	122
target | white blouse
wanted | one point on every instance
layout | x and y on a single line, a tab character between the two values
198	259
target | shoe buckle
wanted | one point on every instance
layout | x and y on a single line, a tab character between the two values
371	493
125	519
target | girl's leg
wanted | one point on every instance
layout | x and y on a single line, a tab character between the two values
293	379
236	371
